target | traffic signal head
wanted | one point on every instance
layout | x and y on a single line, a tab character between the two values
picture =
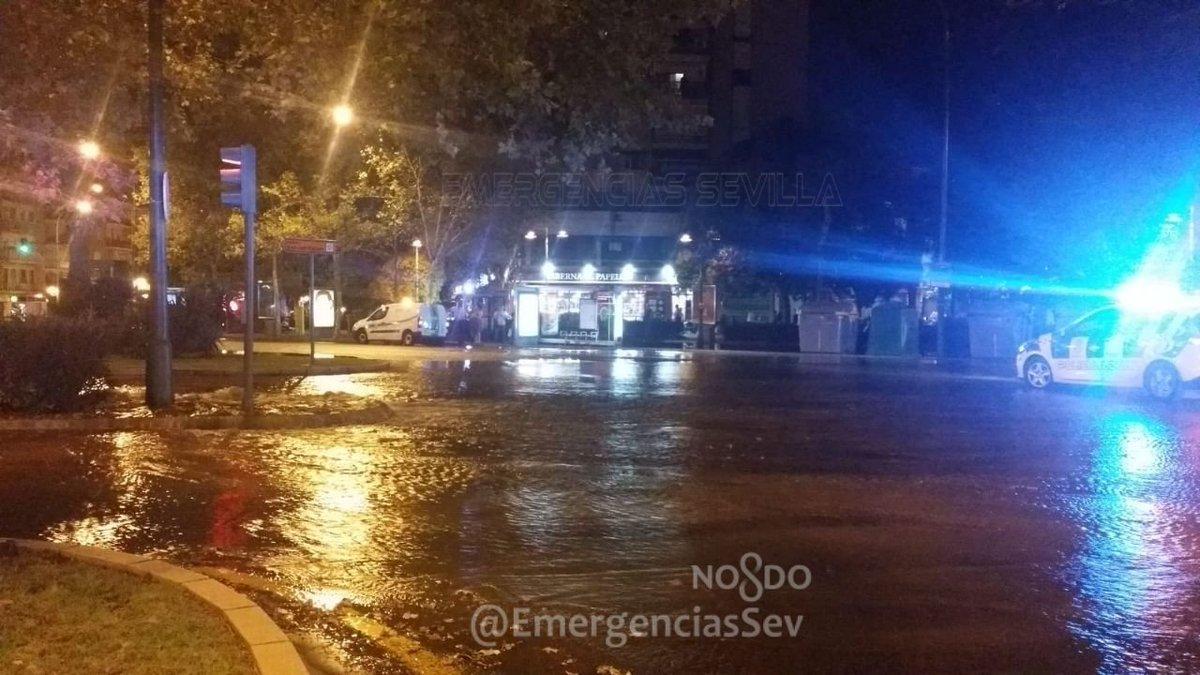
239	185
24	248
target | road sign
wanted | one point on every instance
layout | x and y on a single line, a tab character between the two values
309	246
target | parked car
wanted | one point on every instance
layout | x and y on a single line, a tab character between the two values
1108	347
405	322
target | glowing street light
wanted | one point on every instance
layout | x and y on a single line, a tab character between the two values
342	115
628	272
96	188
141	284
547	269
562	234
685	238
89	150
530	235
416	244
53	291
668	274
588	273
84	207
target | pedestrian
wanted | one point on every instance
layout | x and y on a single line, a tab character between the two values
459	330
500	320
475	322
301	317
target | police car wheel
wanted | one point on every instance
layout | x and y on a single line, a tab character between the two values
1162	381
1037	373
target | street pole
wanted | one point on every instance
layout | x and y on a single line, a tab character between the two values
945	197
275	317
338	302
312	308
158	358
417	273
944	299
250	311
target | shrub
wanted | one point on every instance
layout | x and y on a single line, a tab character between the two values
108	298
51	364
195	323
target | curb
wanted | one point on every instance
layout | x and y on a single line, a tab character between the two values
379	366
273	652
373	415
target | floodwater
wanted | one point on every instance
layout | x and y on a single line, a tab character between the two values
947	522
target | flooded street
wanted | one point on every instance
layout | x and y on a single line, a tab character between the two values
950	522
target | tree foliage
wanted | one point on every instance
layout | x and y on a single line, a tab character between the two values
539	82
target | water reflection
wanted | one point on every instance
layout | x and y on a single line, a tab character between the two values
1136	595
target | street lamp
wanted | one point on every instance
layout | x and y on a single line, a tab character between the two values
562	234
416	244
342	115
96	188
685	238
530	235
84	207
53	292
89	150
141	284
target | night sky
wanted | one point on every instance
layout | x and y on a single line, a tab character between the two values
1075	130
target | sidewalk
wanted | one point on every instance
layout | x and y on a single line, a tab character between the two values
989	368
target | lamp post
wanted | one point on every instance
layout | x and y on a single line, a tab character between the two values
416	244
945	194
159	393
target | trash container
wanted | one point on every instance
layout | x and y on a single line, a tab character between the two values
828	327
894	331
827	332
996	336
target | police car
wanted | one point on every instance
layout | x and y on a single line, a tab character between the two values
1110	347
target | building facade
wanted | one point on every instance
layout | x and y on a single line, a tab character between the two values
35	258
601	272
597	274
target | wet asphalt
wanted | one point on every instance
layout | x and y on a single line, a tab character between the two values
948	522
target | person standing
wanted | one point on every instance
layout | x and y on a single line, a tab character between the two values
458	326
476	323
500	321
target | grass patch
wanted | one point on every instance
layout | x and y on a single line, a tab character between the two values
62	616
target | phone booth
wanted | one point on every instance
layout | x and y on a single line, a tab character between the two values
527	318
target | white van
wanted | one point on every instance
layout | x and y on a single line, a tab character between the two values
405	322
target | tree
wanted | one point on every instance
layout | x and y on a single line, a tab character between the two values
401	197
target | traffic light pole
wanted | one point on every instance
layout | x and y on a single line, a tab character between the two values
250	312
239	190
158	358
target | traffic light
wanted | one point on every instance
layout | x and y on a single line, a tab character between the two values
239	184
24	248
